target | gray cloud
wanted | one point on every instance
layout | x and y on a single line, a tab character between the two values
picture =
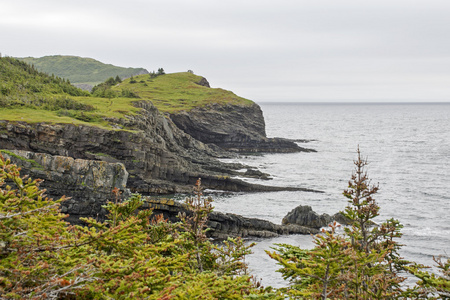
319	50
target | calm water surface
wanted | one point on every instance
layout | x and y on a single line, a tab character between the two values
408	148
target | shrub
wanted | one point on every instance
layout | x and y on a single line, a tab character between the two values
361	264
129	255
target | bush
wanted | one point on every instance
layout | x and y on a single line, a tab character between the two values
363	263
130	255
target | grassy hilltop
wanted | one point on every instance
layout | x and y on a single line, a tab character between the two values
178	91
27	94
80	70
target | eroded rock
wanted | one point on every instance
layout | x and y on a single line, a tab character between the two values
303	215
237	128
88	183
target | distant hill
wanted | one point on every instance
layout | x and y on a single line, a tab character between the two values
82	72
23	83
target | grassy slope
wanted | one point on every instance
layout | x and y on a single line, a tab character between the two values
32	96
179	91
80	70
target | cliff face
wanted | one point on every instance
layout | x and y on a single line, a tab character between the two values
159	157
89	183
234	128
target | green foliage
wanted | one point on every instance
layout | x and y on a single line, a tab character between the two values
430	285
363	263
315	273
104	89
80	70
161	71
31	96
20	80
178	91
128	256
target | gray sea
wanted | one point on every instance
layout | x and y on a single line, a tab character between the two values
408	149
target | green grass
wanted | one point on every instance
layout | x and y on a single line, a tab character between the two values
179	91
80	69
103	108
31	96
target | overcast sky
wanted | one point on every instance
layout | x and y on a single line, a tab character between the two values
316	50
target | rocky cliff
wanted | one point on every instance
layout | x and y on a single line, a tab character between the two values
237	128
159	157
88	183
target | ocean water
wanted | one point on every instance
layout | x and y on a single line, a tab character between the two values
408	149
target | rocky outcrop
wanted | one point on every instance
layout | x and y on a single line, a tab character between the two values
223	225
303	215
159	157
88	183
203	82
237	128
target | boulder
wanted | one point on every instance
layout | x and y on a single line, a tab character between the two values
224	225
303	215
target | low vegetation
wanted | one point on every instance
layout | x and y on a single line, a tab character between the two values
178	91
80	70
129	256
32	96
29	95
363	261
134	255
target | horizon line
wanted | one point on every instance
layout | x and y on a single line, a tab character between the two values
352	102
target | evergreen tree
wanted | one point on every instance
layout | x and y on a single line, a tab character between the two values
131	255
161	71
363	263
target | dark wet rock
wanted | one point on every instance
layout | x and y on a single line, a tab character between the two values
223	225
237	128
257	174
303	215
203	82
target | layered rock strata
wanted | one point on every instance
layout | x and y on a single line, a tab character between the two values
159	157
88	183
237	128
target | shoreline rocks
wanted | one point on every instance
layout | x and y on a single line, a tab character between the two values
303	215
224	225
160	158
235	128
